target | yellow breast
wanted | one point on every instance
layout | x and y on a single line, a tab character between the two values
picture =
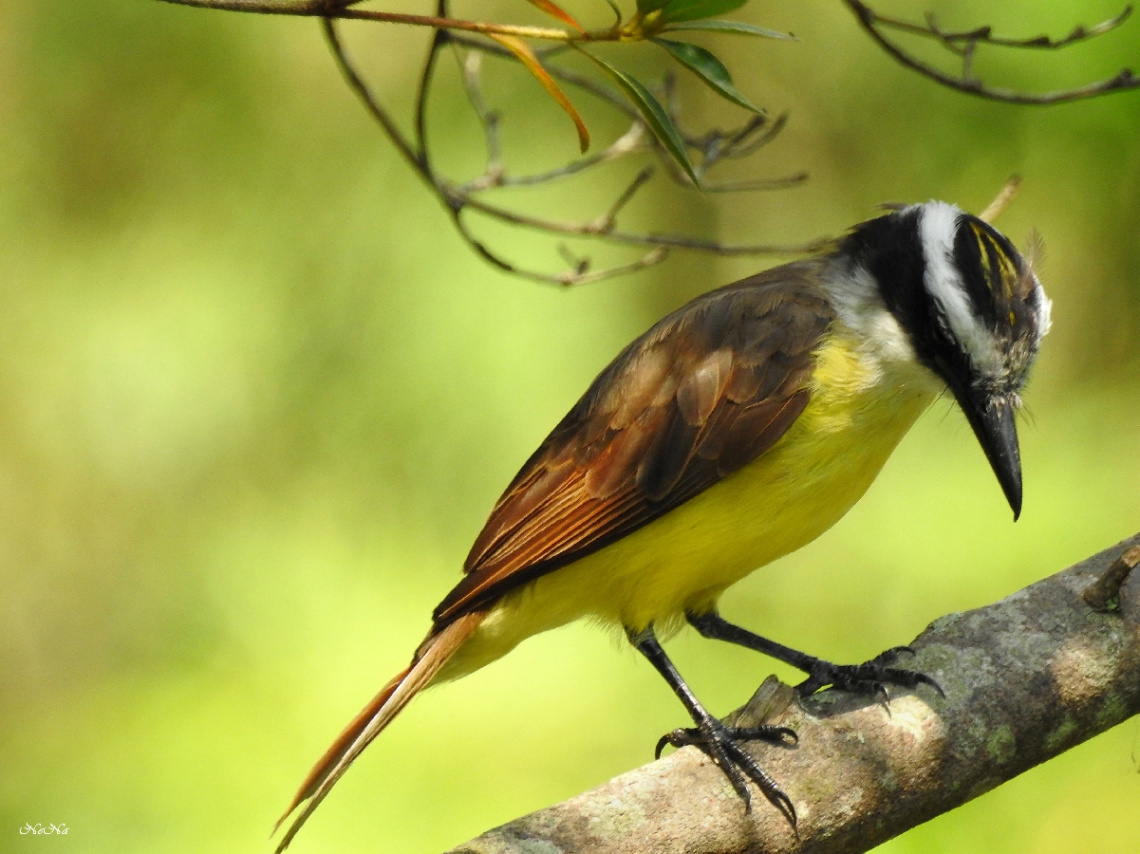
857	414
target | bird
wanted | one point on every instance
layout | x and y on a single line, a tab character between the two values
734	431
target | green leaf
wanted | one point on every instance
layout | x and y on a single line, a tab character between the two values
693	10
647	6
736	27
710	69
653	113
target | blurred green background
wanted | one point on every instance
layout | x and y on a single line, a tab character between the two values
256	400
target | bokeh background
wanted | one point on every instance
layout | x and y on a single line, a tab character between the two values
256	400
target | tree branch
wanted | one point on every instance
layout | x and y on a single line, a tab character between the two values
1025	678
341	9
688	156
964	46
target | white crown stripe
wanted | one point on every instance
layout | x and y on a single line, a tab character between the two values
938	224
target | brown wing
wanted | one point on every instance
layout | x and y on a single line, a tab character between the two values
705	391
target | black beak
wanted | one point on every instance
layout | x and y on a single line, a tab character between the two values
992	417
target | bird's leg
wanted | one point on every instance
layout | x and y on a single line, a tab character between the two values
714	737
871	677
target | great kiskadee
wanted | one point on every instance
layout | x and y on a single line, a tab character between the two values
736	430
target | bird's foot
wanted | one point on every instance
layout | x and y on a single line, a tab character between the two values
871	677
722	745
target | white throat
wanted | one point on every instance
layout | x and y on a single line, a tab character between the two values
883	345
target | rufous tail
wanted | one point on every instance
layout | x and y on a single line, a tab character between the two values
429	659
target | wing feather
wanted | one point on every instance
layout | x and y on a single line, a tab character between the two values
701	394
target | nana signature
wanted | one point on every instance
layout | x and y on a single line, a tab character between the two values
43	829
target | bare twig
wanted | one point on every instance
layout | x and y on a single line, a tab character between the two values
1002	200
718	145
632	141
460	198
965	43
357	84
343	9
750	184
304	8
1025	679
670	241
1104	594
606	221
577	274
985	33
493	174
438	40
469	40
755	134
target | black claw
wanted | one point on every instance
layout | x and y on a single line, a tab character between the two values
766	784
872	677
926	680
732	771
676	738
721	744
889	656
764	732
699	737
880	691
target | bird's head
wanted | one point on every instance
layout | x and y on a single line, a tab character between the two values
972	309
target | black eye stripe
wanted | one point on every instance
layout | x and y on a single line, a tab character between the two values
974	256
890	249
